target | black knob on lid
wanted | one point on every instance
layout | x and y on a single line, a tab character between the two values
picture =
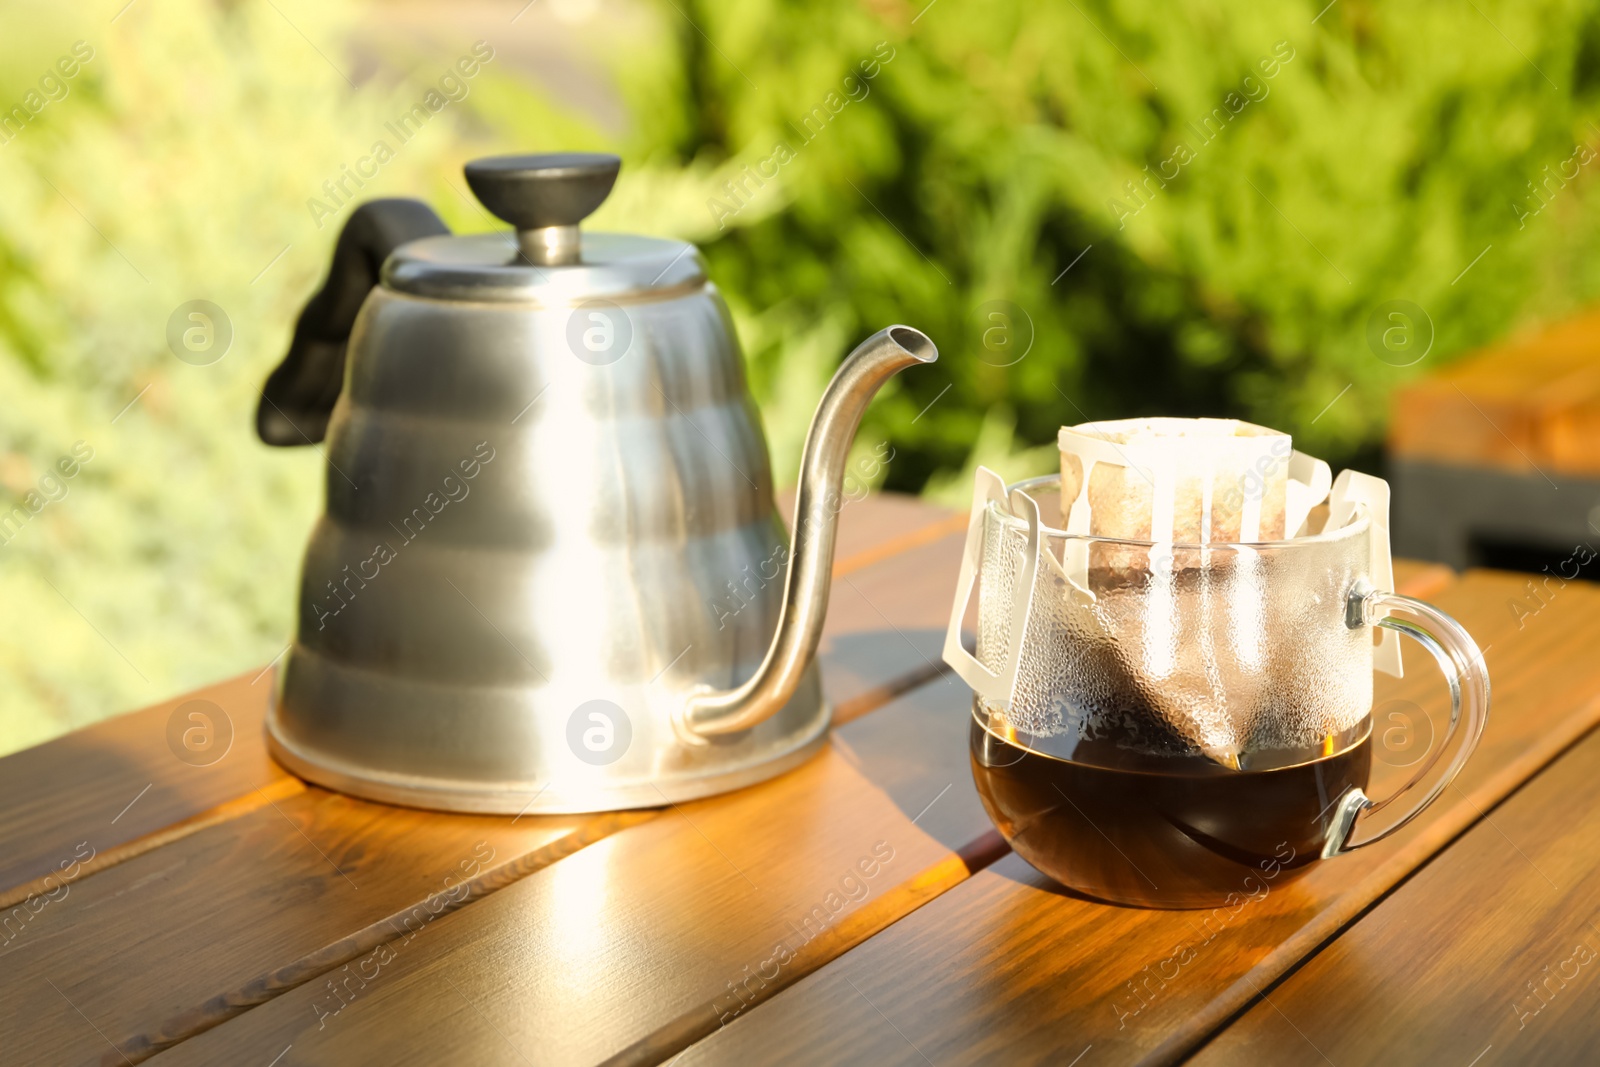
536	191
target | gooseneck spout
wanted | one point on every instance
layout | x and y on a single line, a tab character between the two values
709	712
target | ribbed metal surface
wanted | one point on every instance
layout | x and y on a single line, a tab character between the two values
515	527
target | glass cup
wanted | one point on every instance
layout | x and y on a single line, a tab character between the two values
1171	725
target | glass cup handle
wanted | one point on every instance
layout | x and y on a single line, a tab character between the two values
1462	665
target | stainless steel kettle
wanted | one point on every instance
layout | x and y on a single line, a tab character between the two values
545	476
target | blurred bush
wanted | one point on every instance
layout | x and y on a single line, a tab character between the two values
175	168
1006	176
1390	147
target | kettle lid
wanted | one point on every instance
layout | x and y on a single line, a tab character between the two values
549	259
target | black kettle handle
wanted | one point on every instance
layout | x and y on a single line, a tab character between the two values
299	395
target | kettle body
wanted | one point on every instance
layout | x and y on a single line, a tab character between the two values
549	547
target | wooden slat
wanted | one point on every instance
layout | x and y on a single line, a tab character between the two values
685	917
950	524
118	781
875	527
631	948
1490	951
279	950
1008	965
1530	405
903	596
886	622
117	788
95	860
188	934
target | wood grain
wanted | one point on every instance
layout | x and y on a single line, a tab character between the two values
120	780
898	768
886	623
284	951
652	937
89	860
1007	965
652	923
1491	950
120	788
233	914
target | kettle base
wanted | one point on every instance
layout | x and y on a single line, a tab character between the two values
531	798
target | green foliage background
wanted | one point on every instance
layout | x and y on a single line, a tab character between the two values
987	155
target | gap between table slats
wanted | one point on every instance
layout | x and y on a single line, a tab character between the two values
272	786
970	846
124	766
1007	965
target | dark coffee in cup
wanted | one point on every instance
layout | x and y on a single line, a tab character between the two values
1166	831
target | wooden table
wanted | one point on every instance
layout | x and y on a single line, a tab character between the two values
229	914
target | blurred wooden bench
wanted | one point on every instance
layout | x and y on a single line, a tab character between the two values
1500	453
